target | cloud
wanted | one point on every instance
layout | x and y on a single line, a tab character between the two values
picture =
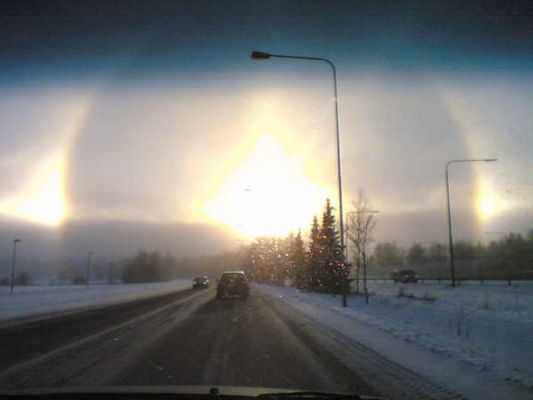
154	151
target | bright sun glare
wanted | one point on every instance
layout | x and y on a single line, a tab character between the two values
44	201
46	206
486	206
268	194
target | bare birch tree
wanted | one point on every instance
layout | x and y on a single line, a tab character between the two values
361	223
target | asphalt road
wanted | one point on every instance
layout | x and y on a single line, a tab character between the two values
25	338
243	343
191	338
185	338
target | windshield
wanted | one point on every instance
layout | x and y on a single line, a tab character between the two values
359	172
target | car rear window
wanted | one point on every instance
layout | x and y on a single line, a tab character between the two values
233	277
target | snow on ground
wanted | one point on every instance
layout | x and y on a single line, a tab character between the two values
487	328
35	300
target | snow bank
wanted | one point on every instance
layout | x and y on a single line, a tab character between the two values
486	328
28	301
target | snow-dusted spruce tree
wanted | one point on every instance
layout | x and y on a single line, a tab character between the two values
314	258
297	260
334	269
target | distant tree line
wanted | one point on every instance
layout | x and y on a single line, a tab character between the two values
149	267
153	267
318	263
22	279
509	257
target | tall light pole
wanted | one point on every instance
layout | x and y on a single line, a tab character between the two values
13	261
450	235
260	55
88	271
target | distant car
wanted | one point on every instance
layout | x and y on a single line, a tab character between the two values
233	284
200	282
405	276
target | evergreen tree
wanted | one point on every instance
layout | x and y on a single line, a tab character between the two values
282	267
314	257
259	258
334	271
297	260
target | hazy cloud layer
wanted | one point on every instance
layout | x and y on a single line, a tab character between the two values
143	112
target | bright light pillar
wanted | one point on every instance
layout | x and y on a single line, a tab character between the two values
450	234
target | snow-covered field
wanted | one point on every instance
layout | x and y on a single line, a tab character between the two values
483	332
28	301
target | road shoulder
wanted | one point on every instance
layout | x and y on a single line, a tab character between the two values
385	361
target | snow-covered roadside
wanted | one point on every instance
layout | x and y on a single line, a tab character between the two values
28	301
471	338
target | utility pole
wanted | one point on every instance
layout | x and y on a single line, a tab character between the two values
88	272
13	262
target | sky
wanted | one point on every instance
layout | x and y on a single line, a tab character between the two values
130	124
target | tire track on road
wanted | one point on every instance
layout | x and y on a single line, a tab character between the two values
95	357
389	378
25	339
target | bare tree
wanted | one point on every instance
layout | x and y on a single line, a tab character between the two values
361	223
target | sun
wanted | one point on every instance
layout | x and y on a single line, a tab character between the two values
486	206
269	194
44	201
47	206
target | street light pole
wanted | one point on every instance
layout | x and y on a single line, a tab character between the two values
88	272
259	55
13	261
450	234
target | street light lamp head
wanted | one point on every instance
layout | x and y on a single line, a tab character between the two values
491	160
17	240
259	55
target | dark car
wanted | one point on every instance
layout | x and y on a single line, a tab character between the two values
233	284
200	282
405	276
